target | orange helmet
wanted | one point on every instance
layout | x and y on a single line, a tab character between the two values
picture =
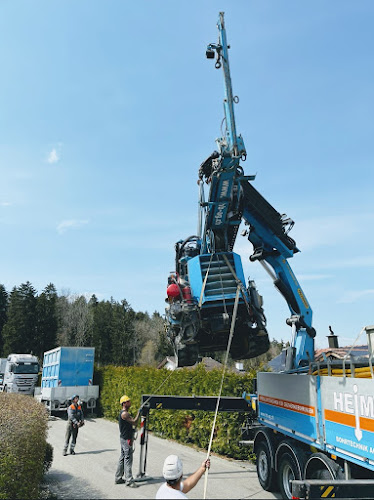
173	290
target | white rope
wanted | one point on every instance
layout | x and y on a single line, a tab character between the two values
162	383
222	379
156	391
204	283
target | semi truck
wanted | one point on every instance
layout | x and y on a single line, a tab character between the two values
67	371
2	370
19	373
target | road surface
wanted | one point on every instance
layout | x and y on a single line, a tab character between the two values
90	473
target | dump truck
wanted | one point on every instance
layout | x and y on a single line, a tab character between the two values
68	371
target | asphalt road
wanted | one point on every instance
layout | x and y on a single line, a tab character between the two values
90	473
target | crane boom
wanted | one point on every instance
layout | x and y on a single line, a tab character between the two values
202	291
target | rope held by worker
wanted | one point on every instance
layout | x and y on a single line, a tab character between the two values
232	328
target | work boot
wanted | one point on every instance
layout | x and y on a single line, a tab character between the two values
64	453
120	481
132	484
72	452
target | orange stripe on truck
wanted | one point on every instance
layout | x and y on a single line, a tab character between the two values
289	405
340	418
366	424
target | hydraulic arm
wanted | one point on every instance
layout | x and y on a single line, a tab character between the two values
209	279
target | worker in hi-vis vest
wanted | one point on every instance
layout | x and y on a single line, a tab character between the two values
75	420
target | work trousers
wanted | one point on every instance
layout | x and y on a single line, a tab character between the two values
125	461
72	432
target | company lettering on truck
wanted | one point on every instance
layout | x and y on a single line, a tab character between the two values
354	410
288	405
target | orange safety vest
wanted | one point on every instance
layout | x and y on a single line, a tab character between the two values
72	406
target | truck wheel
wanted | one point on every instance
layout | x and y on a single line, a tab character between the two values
265	472
319	466
287	472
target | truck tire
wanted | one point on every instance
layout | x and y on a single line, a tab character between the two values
265	473
288	470
319	466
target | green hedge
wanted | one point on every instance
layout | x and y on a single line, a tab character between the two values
192	427
23	430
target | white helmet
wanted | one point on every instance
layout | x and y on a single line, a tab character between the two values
173	468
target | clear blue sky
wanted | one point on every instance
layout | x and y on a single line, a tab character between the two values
107	109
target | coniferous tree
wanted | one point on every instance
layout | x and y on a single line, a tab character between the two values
163	347
46	308
19	332
130	333
102	330
3	313
62	309
124	342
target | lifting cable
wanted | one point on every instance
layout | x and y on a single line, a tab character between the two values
222	379
238	282
205	280
223	290
166	379
162	383
145	402
155	392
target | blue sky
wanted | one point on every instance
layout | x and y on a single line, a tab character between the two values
108	108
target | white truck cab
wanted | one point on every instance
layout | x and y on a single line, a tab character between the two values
20	373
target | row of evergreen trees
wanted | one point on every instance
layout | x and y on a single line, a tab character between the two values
32	322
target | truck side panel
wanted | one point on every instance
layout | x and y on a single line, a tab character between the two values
334	414
288	403
348	413
68	366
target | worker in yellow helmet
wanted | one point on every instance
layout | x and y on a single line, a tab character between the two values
126	431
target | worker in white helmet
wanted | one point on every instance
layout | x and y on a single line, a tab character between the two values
174	487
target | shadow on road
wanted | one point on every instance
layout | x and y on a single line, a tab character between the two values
66	486
150	480
95	452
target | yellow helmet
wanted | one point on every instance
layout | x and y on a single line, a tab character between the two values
124	399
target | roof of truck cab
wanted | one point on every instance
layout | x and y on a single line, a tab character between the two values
22	357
